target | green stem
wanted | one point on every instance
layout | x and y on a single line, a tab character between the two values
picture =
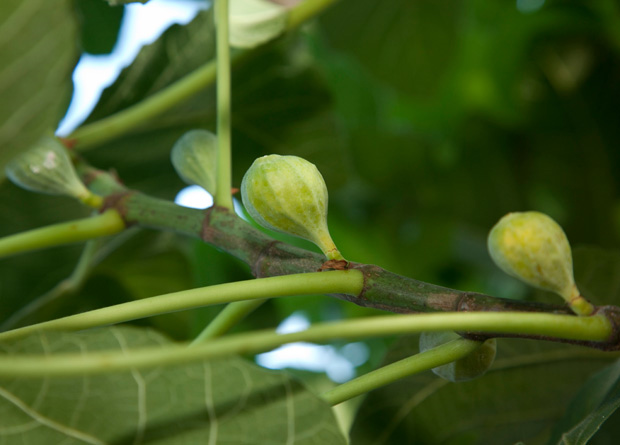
594	328
125	120
347	282
122	122
232	314
423	361
107	223
223	197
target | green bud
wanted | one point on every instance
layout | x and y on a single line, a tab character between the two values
288	194
532	247
47	168
194	157
469	367
254	22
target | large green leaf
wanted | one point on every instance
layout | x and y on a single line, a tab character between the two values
224	401
38	52
519	399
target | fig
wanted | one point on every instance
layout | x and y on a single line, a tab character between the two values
194	157
532	247
288	194
47	168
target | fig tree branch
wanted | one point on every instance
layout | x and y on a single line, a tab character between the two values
268	257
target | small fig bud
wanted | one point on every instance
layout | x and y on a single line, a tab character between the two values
469	367
47	168
194	157
288	194
532	247
254	22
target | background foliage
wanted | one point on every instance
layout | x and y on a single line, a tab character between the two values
428	119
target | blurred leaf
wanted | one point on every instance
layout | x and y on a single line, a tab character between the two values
520	398
392	39
100	25
177	52
597	400
151	264
38	52
26	276
124	2
272	96
597	273
223	401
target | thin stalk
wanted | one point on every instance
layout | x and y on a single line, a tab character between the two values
594	328
223	196
122	122
125	120
346	282
107	223
440	355
232	314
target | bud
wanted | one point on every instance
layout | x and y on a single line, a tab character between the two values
254	22
47	168
288	194
469	367
194	157
532	247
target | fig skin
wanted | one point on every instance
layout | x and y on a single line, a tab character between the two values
288	194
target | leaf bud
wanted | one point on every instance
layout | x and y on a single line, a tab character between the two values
194	157
47	168
469	367
532	247
288	194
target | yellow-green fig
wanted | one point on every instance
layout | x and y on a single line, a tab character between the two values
469	367
47	168
194	157
288	194
533	248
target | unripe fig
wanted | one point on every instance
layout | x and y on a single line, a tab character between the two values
47	168
532	247
469	367
288	194
194	157
254	22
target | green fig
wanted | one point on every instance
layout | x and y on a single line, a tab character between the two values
254	22
288	194
47	168
532	247
469	367
194	157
